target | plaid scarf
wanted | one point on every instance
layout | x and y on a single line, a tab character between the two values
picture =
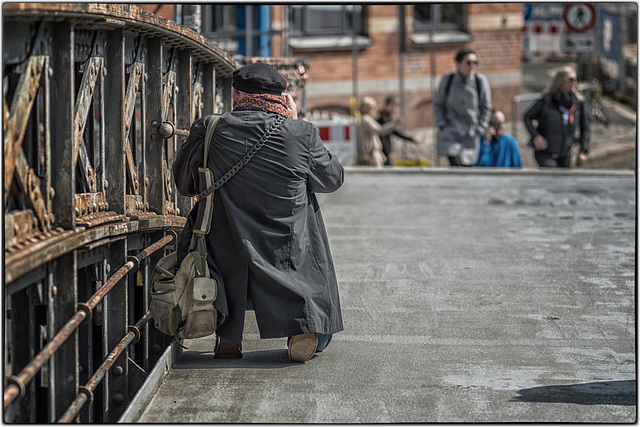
272	103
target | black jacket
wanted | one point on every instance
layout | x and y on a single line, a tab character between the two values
560	132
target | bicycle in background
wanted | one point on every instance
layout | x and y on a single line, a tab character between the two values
592	91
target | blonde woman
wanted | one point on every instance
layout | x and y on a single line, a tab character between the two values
369	132
559	115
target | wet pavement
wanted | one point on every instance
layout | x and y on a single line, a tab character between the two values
468	297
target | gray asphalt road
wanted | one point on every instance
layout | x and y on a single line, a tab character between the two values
467	297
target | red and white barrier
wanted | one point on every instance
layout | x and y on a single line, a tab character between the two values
545	40
340	139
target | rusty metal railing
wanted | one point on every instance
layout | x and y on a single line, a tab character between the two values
17	383
97	99
86	391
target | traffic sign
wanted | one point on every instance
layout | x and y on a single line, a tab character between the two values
579	43
579	17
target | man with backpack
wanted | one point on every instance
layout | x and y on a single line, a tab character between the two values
267	236
462	109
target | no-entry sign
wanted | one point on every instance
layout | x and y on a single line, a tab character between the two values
579	17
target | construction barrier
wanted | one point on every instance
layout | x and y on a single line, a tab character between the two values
339	136
544	32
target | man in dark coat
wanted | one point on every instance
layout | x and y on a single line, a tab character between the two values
267	236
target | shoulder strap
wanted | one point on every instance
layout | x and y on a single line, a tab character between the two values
205	210
448	85
450	79
478	87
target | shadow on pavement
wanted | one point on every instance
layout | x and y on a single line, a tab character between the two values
261	359
597	393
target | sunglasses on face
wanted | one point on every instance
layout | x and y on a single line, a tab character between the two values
472	63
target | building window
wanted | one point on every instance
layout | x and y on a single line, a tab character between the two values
328	27
446	22
440	16
327	20
238	29
219	23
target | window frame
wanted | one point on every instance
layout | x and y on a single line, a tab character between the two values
346	25
346	38
440	33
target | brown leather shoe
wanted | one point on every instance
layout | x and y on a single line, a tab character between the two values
227	351
302	347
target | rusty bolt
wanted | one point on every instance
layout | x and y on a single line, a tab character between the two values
118	399
117	370
167	130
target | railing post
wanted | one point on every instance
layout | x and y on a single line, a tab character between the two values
114	122
116	317
183	109
209	89
154	141
62	93
63	300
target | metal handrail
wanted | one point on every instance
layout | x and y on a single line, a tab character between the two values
17	383
86	392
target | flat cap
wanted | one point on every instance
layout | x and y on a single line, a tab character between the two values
259	78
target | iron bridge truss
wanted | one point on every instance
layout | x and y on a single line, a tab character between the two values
96	100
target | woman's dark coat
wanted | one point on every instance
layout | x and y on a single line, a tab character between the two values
268	237
559	135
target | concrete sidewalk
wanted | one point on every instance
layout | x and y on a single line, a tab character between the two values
467	296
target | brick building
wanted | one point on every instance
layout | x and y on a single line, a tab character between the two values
494	30
361	49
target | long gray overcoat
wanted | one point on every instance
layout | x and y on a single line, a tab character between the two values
461	117
268	237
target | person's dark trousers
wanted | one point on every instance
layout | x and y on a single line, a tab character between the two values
386	149
455	161
546	160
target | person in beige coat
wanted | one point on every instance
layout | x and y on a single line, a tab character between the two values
369	132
